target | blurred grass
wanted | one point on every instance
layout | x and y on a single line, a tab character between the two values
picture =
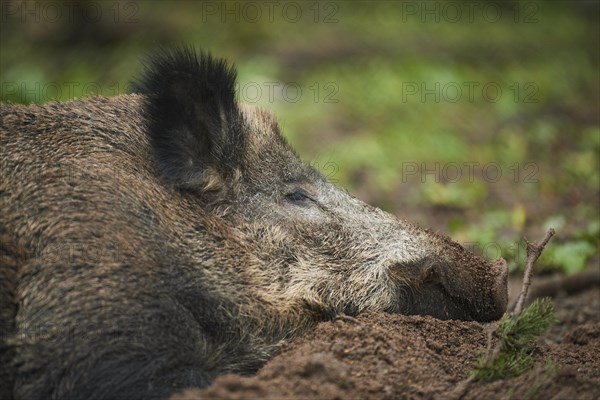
484	166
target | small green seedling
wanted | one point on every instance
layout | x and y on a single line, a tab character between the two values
518	331
517	335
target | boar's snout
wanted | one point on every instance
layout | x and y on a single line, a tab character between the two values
460	293
483	291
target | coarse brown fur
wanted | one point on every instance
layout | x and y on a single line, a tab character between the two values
153	241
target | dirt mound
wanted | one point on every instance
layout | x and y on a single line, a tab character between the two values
383	356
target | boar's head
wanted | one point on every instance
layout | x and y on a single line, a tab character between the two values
166	237
308	240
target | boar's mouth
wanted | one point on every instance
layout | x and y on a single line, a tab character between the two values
434	300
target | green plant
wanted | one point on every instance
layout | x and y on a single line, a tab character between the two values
517	335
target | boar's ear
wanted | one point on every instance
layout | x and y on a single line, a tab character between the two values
194	122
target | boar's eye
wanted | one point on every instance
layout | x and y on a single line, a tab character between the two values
298	196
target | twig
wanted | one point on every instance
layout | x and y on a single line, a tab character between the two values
567	284
459	390
533	252
492	332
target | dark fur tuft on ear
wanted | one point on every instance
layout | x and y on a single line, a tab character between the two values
194	122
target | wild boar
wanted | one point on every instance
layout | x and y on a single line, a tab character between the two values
155	240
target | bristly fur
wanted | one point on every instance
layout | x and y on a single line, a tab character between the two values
194	121
117	282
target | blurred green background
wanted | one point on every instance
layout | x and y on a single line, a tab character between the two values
479	119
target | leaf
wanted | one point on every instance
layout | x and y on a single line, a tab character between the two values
570	256
519	215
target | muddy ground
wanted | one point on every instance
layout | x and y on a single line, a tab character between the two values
383	356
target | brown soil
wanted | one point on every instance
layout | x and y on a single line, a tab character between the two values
383	356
